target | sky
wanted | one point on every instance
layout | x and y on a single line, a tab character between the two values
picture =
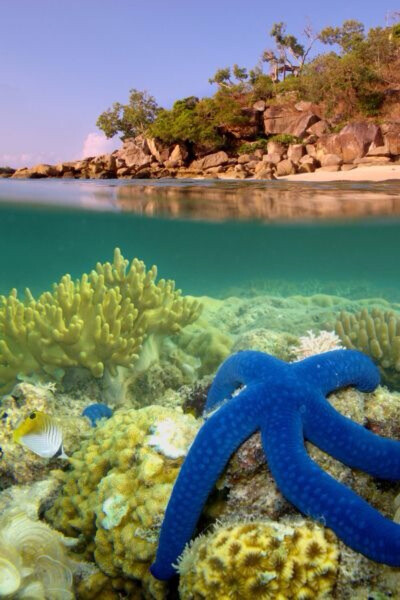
63	63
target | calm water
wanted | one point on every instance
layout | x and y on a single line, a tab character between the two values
202	234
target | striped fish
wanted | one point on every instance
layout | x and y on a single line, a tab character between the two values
41	434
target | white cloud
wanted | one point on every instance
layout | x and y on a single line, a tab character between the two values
26	159
97	143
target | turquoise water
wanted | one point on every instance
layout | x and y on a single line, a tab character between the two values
48	228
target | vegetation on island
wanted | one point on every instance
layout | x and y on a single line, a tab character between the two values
357	76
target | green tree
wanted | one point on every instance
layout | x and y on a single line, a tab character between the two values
290	55
349	36
129	119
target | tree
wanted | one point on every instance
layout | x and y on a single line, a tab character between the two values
348	36
222	77
129	119
290	55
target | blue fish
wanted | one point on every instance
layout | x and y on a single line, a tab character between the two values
97	411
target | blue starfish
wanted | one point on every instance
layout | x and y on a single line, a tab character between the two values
287	403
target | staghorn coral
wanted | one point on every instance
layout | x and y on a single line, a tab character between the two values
33	560
115	494
260	560
98	322
377	333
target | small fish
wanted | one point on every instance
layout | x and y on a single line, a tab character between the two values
41	434
97	411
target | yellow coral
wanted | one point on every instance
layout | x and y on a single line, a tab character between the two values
260	560
117	489
33	561
98	322
377	333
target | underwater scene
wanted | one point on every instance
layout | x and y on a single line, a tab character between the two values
199	391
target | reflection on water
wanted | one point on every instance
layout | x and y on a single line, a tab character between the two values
269	201
212	199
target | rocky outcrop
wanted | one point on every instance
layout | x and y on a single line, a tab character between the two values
360	142
6	171
289	120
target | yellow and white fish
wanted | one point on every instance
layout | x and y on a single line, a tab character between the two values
41	434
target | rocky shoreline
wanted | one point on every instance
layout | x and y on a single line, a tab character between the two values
318	147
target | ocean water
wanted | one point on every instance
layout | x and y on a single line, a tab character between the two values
254	246
211	238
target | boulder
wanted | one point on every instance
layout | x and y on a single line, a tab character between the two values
327	160
295	152
276	148
177	157
352	142
373	160
356	138
308	160
318	128
392	138
311	149
36	172
378	150
135	153
285	167
307	167
283	119
157	149
243	159
273	158
211	160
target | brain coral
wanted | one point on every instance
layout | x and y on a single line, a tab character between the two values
115	494
260	560
98	322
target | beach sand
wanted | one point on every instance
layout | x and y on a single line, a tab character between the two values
364	173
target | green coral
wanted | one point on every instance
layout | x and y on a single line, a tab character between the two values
377	333
98	321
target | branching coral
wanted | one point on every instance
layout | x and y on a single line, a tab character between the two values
115	494
377	333
260	560
98	322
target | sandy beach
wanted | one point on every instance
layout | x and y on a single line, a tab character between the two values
364	173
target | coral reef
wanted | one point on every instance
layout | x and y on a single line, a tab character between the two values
33	559
18	464
260	559
98	322
277	343
377	333
311	344
115	493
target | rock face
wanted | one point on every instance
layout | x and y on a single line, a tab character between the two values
352	142
135	153
281	119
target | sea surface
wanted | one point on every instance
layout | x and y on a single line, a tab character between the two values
212	238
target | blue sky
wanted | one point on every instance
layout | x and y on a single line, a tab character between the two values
63	63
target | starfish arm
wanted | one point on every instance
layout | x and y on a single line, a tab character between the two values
217	439
332	370
246	366
317	494
349	442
